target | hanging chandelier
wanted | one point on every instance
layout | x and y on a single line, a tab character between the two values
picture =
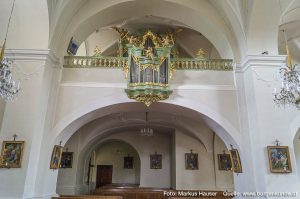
146	131
289	94
8	88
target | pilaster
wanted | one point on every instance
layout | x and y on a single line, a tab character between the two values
262	122
29	116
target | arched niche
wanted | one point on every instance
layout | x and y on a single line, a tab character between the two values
108	152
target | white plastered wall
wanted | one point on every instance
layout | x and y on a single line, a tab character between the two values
261	123
113	153
265	121
297	152
207	177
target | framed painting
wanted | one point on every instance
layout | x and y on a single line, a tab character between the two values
66	160
235	161
224	162
191	161
128	162
56	157
11	154
156	161
279	159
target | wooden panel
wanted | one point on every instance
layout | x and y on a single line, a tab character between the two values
149	193
88	197
104	175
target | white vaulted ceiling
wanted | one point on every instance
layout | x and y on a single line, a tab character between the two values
80	18
290	22
188	41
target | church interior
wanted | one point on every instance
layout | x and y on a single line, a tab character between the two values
137	99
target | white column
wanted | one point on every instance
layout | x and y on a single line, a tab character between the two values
29	116
262	122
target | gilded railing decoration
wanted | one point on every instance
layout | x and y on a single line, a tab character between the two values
117	62
203	64
149	60
94	62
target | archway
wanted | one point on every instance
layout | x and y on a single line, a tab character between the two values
118	113
106	158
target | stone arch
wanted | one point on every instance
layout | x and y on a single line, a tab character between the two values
73	121
82	115
85	154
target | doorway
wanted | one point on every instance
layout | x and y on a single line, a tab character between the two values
104	175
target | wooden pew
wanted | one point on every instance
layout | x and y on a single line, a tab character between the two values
88	197
150	193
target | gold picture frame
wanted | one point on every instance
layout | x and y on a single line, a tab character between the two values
56	157
12	154
235	161
279	159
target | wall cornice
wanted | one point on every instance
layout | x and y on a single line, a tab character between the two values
34	55
260	61
173	86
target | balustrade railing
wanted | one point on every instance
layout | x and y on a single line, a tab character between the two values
121	62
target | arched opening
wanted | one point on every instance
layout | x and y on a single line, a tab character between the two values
177	131
112	162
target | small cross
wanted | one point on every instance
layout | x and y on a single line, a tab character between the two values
231	147
191	151
60	142
277	142
15	136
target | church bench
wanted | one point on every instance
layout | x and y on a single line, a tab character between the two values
149	193
88	197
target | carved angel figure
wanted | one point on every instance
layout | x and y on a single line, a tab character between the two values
201	53
97	51
168	40
149	53
131	39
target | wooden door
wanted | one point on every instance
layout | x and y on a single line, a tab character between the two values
104	175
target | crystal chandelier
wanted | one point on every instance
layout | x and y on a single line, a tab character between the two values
289	94
8	87
146	131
